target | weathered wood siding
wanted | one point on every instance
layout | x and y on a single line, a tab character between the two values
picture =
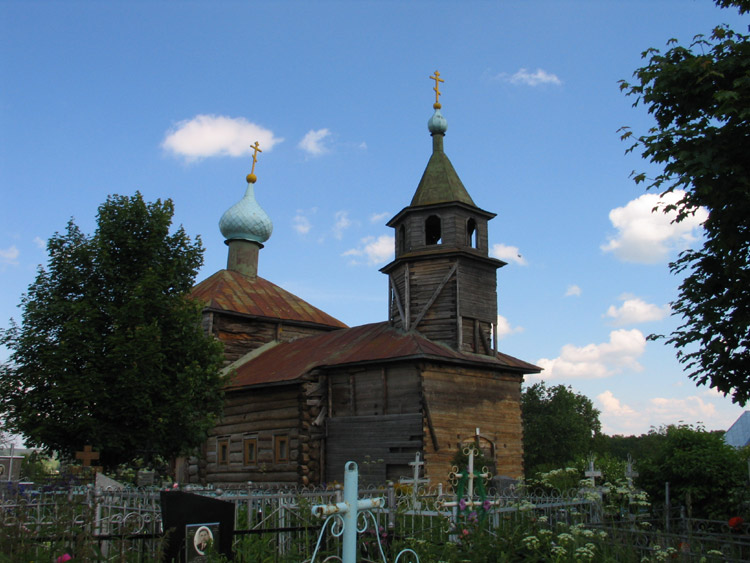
241	335
453	230
382	446
427	286
262	414
376	420
477	281
393	389
459	400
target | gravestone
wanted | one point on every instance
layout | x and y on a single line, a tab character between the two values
144	478
194	523
107	483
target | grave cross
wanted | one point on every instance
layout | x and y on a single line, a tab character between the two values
348	511
592	473
470	476
630	473
87	455
415	480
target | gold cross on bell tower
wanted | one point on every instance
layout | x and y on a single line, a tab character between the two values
437	80
251	178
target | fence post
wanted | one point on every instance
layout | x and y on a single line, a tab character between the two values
666	507
391	495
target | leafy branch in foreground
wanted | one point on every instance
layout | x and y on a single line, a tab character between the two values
700	98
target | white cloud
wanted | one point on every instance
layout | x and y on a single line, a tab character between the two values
9	255
611	406
378	217
508	253
504	329
374	250
597	360
341	224
648	236
525	78
619	418
301	223
573	291
635	310
363	146
312	143
217	135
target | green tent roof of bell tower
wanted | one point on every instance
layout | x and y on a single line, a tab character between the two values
439	183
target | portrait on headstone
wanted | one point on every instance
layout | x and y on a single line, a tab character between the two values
199	539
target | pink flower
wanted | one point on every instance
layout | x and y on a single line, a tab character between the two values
63	558
465	532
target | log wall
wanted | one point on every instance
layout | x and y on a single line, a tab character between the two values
457	401
241	335
263	415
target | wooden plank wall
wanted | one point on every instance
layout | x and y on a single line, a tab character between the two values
241	335
453	226
382	446
478	290
392	389
262	413
439	323
458	401
375	412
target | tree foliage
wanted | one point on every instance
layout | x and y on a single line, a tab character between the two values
110	351
704	473
559	425
700	98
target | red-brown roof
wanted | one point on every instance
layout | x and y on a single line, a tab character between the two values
231	291
286	361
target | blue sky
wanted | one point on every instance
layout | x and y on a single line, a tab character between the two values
167	97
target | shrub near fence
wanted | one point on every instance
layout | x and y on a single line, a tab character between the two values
520	525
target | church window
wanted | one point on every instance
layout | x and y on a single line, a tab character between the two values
281	449
472	235
250	447
401	239
432	230
222	451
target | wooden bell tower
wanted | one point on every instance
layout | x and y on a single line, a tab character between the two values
442	282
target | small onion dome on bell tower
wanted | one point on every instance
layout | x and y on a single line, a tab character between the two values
246	226
437	123
246	219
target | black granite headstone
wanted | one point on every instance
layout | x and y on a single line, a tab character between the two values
186	514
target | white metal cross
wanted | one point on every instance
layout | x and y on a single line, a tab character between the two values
349	510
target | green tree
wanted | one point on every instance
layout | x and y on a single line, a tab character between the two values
110	351
704	473
558	426
700	98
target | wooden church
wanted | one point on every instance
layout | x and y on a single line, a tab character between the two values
307	393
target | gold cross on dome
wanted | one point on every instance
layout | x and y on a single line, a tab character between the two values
437	80
251	178
256	150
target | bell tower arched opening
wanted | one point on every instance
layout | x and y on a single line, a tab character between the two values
432	230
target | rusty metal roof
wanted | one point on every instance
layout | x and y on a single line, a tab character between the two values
227	290
379	342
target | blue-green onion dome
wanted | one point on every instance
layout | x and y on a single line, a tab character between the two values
437	123
246	220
